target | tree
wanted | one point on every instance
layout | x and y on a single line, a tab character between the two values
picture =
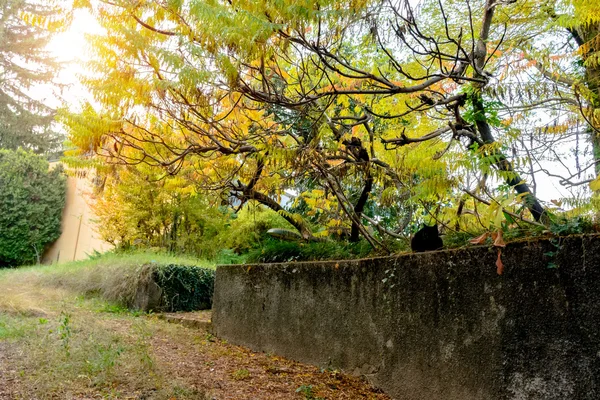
584	26
26	27
366	102
136	208
31	202
551	70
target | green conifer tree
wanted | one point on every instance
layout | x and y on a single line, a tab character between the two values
26	27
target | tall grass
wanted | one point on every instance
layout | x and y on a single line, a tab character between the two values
115	277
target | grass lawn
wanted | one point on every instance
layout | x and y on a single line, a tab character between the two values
59	339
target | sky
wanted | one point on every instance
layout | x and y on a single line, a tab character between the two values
71	48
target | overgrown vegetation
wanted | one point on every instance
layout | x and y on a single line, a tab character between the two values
357	121
74	338
31	203
184	288
56	343
273	250
117	277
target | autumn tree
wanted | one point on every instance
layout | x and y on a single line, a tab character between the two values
135	208
353	107
582	21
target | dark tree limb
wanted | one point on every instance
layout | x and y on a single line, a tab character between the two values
360	206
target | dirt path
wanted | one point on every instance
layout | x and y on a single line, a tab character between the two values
234	372
7	376
84	348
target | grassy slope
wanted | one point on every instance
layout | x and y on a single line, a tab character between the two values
115	277
56	343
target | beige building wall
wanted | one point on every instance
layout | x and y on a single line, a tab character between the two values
79	237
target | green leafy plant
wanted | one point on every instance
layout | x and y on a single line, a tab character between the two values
561	226
488	110
64	331
31	203
103	358
308	392
241	374
185	288
273	250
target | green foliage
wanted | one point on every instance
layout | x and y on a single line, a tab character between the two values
241	374
116	277
228	256
26	27
248	228
308	392
273	250
64	332
375	138
140	208
15	327
185	288
563	226
487	110
31	203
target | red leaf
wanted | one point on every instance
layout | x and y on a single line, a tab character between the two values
479	239
499	240
499	265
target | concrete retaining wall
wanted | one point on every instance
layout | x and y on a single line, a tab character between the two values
439	325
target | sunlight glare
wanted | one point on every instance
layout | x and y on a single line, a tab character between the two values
71	46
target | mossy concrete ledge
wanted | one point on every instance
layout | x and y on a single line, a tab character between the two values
439	325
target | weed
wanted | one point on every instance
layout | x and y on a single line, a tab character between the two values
209	337
64	332
14	328
142	345
241	374
103	358
308	392
114	308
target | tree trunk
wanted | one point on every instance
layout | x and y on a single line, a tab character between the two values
360	206
502	163
485	132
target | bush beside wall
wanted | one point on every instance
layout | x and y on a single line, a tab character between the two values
184	288
141	280
31	202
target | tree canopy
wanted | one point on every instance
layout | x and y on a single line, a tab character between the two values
356	118
26	27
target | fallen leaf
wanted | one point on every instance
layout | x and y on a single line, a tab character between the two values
499	265
498	239
479	239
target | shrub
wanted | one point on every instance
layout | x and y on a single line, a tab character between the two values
31	202
248	228
119	276
274	250
185	288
